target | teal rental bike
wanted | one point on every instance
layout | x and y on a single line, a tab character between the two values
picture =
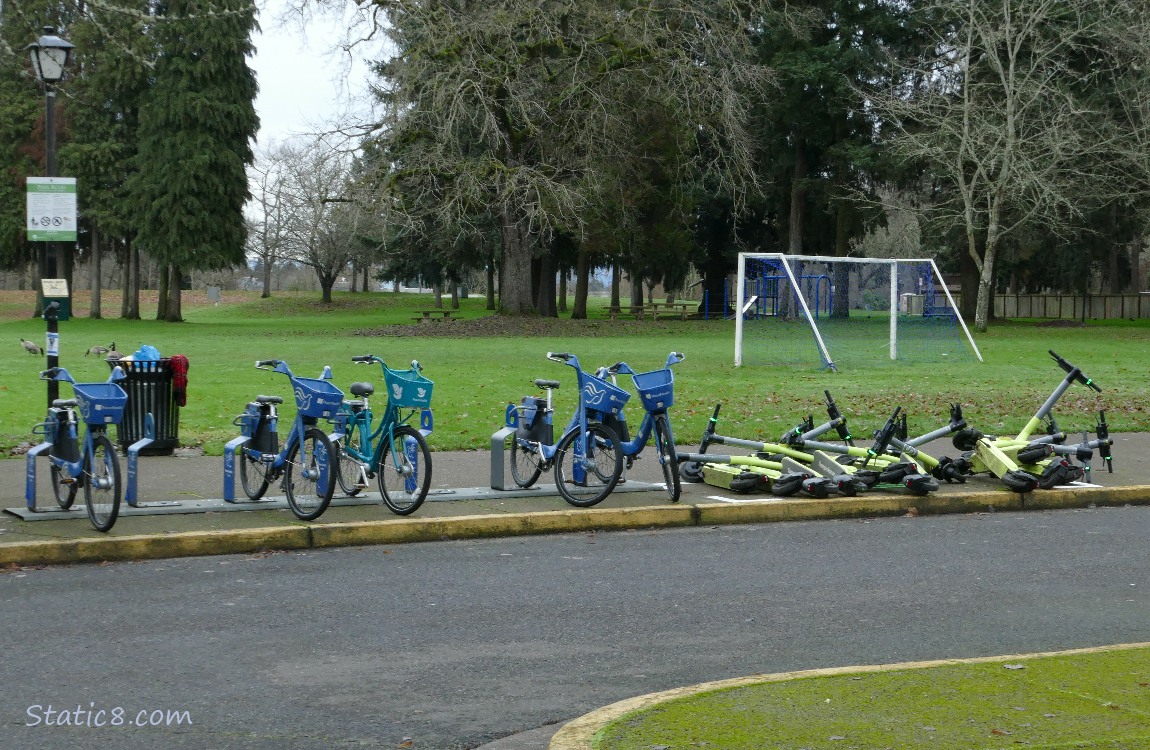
657	394
94	463
306	461
391	451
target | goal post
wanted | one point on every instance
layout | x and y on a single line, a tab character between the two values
795	309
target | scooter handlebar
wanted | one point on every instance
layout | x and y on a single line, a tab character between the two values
1074	372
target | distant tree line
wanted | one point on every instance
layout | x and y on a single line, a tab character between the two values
537	141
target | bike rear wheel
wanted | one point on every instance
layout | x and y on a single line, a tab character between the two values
526	464
586	480
64	487
307	496
404	470
253	472
352	476
102	483
665	446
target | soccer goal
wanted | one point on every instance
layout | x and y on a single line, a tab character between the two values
805	309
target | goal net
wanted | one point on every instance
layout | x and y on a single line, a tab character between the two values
834	312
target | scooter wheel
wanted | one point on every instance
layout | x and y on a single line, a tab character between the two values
848	485
895	473
920	484
691	471
746	482
868	477
788	484
819	487
1032	454
1058	473
966	440
1020	481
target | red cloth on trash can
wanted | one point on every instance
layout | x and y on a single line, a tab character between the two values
179	365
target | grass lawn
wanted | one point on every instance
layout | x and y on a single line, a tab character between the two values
1081	700
483	362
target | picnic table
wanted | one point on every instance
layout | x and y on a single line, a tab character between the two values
682	309
635	310
439	314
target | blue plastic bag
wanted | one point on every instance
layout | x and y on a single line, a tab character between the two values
146	353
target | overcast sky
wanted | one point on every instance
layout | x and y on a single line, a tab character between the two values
305	82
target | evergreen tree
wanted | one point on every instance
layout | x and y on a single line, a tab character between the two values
197	124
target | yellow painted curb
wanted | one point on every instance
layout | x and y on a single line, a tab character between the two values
579	734
153	546
402	530
396	531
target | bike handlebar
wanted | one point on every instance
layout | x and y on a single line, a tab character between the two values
559	356
1074	372
364	359
268	362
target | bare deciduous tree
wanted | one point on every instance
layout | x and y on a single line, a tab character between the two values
1005	119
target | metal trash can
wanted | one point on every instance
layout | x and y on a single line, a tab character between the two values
149	388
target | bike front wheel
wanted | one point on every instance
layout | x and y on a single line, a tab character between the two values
404	470
525	464
309	476
102	483
665	446
585	480
253	472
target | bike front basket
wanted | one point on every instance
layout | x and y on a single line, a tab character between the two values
407	389
601	395
315	397
656	389
100	403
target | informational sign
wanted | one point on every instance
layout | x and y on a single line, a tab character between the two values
51	209
54	287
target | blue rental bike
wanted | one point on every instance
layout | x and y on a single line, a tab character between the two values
657	394
306	463
587	459
94	463
392	451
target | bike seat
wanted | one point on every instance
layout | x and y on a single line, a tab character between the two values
548	384
269	400
64	403
362	389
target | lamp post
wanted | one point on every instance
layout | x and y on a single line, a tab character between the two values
50	57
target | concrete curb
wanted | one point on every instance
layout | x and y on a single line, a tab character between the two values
579	734
404	530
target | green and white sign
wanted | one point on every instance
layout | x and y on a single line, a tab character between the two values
51	209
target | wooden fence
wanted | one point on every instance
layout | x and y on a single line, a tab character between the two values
1068	307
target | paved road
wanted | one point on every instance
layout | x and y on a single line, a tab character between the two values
453	644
